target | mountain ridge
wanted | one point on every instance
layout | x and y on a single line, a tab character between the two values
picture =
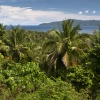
76	22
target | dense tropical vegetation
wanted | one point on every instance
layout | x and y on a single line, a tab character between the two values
52	65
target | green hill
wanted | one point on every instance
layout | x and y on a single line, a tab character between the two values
76	22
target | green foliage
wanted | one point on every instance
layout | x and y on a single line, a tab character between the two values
65	53
98	96
94	65
1	56
96	36
94	57
80	78
19	75
2	30
57	90
27	82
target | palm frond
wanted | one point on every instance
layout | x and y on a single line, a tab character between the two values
65	59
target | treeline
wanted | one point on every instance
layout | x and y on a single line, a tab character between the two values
52	65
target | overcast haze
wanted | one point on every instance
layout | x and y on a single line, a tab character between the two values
34	12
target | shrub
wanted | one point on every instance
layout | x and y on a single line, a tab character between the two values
80	77
27	82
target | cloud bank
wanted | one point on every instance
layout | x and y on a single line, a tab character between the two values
27	16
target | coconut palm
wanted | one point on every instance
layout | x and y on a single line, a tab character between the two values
2	30
61	49
16	40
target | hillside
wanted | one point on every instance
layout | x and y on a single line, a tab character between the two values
76	22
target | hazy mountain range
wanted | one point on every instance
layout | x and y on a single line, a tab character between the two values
76	22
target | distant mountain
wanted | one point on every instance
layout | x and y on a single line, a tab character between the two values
76	22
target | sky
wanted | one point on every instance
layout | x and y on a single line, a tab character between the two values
35	12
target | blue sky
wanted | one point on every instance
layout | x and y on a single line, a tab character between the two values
34	12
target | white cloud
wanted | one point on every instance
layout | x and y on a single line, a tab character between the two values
94	12
27	16
80	12
87	11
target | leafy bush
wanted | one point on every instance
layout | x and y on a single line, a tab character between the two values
80	77
26	82
57	90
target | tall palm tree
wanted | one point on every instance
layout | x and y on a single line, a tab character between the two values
16	40
64	50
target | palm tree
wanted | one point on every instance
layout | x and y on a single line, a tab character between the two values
16	40
2	30
3	47
64	50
